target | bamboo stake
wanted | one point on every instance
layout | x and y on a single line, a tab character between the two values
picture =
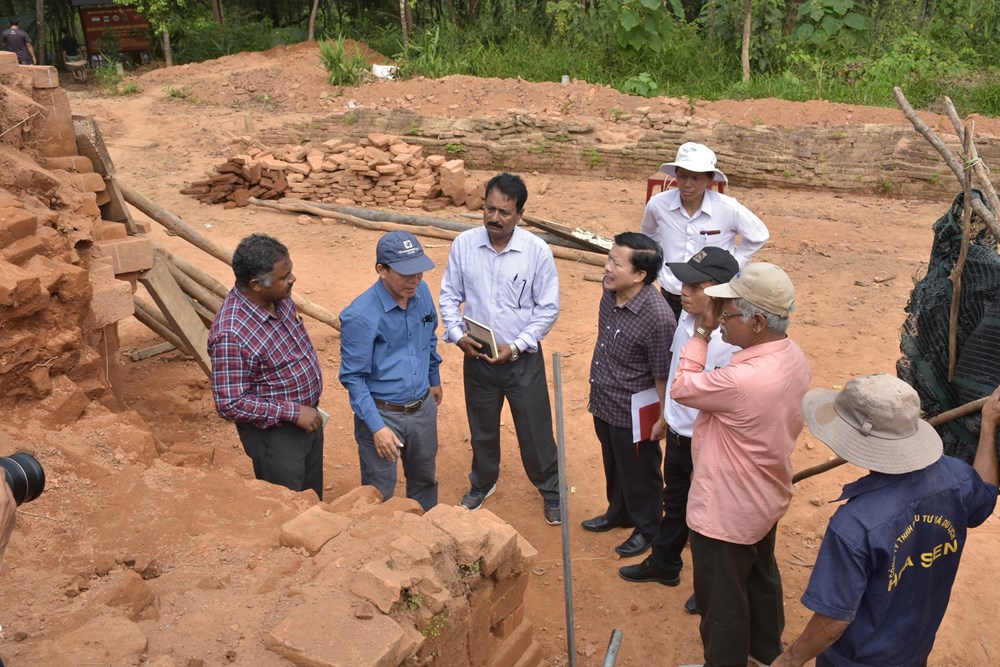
936	420
433	232
963	252
193	236
977	205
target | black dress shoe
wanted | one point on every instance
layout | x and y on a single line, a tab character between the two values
633	546
690	606
645	571
600	524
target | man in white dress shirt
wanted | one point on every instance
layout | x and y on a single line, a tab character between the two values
691	217
506	279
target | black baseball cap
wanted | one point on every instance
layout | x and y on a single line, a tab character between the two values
709	263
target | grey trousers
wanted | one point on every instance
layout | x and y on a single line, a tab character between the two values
285	455
418	431
523	384
738	589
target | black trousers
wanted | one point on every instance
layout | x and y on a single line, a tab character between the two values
738	589
633	479
673	534
285	455
523	384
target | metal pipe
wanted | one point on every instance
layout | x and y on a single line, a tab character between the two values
564	508
612	655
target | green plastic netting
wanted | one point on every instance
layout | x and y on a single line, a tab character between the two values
924	335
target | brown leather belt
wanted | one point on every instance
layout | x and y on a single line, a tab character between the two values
405	408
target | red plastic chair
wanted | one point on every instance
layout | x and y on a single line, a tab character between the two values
666	181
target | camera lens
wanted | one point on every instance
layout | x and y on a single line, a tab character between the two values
25	476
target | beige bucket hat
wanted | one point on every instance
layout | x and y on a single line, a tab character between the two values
874	422
762	284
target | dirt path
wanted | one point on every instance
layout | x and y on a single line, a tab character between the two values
852	260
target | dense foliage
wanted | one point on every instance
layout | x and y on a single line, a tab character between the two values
846	50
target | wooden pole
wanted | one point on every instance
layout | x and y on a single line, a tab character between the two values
972	159
194	237
433	232
196	274
957	168
564	240
152	318
201	295
963	252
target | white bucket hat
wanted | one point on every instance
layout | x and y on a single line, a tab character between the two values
694	157
874	422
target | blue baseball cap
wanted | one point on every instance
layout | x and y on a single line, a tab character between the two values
402	252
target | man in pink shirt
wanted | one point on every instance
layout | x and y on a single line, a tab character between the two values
750	416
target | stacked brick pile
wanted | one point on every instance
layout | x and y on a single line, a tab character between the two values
378	170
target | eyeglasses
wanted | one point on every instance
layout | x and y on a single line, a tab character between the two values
726	316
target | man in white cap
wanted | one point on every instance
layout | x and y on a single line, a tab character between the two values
389	366
686	219
889	557
741	482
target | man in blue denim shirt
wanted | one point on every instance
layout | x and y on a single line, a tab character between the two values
884	572
389	366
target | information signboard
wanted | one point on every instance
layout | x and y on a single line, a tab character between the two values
114	28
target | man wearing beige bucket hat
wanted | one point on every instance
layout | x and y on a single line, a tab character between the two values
741	480
888	560
686	219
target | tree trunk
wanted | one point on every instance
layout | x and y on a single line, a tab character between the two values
312	20
402	24
745	51
168	55
217	11
40	22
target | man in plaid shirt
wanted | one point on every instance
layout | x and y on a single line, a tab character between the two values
265	373
632	354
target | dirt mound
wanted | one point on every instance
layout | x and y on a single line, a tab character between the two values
291	78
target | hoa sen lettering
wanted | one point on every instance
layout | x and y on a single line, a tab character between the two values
926	558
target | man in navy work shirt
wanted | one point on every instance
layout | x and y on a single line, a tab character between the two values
631	355
389	366
506	279
888	560
265	373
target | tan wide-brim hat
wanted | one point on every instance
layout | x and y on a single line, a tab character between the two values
694	157
874	422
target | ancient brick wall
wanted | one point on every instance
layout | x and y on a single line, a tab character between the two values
394	586
872	159
60	300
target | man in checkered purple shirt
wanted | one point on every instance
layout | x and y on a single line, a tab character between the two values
265	373
632	354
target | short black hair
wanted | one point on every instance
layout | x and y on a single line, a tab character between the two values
647	255
15	21
255	257
510	185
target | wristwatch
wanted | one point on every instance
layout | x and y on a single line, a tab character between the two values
514	354
703	332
